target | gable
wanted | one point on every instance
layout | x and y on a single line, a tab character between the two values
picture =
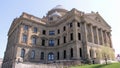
96	19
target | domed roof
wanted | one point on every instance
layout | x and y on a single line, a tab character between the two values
59	7
55	14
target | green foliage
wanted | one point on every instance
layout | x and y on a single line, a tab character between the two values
114	65
105	51
108	52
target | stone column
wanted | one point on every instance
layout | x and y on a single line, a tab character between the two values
75	35
110	40
102	36
92	33
109	36
106	39
97	35
85	40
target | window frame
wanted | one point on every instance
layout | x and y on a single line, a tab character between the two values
32	56
51	42
35	29
51	32
26	27
24	38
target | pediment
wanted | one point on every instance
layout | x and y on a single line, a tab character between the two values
96	19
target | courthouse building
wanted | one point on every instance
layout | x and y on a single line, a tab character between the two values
61	35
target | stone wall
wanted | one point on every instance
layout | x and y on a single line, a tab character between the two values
37	65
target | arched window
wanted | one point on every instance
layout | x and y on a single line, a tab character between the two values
42	56
22	53
71	52
50	56
33	54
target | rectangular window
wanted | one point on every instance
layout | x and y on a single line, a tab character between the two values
64	28
71	36
51	32
25	27
80	51
71	25
43	42
58	42
42	56
32	54
64	39
57	55
24	39
64	54
78	24
34	40
35	30
43	32
79	36
51	42
58	31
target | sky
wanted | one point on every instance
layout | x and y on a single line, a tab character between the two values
10	9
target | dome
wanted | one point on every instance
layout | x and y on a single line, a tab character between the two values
55	14
59	7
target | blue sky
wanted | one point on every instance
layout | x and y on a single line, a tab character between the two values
10	9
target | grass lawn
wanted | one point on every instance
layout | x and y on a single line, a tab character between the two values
113	65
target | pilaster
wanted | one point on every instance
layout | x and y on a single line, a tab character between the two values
20	34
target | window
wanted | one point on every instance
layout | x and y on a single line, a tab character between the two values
78	24
24	39
64	54
51	42
57	55
79	36
51	32
71	52
90	53
22	53
42	56
25	27
71	25
43	42
34	40
58	42
50	56
58	31
32	54
35	30
64	28
71	36
80	51
51	18
43	32
64	39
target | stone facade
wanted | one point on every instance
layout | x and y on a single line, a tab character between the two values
60	35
